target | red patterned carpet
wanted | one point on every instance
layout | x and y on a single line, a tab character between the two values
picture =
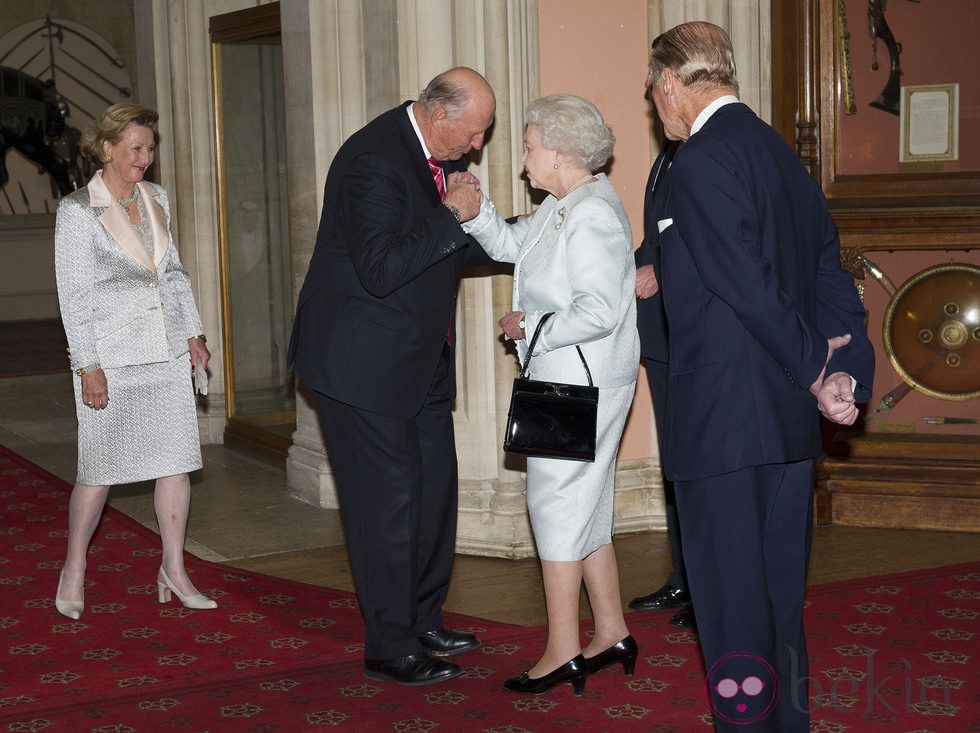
892	653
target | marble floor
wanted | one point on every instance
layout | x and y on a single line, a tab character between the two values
239	506
241	514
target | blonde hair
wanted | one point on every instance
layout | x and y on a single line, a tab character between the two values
110	126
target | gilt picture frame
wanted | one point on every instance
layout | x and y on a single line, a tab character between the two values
930	129
836	48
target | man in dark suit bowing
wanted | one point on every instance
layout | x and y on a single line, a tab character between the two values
651	322
373	337
766	331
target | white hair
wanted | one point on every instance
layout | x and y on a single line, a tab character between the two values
572	126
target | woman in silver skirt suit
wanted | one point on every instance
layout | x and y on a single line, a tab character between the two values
574	257
133	335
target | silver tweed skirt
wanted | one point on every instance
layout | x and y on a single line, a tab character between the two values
148	430
571	502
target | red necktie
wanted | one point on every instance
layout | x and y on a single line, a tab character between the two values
436	167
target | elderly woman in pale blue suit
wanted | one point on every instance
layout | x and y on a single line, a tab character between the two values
574	257
133	334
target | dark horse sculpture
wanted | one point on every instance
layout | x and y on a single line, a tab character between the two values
30	115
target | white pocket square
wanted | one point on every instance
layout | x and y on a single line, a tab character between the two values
663	224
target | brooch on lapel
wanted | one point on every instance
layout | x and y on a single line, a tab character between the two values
562	213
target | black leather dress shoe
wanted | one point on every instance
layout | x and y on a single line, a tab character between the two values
573	671
684	619
660	600
447	643
413	670
625	652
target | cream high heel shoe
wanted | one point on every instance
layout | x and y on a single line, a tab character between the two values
165	588
70	609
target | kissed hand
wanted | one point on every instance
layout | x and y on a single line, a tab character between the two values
463	192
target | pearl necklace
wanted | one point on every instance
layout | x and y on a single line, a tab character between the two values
125	203
580	182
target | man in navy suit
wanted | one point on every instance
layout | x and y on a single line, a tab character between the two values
651	322
765	329
373	337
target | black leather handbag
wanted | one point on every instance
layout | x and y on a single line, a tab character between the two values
552	419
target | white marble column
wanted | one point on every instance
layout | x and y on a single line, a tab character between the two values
337	40
179	68
323	44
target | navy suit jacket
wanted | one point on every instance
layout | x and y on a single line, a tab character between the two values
651	321
753	287
377	303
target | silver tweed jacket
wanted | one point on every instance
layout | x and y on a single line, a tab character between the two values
120	306
573	257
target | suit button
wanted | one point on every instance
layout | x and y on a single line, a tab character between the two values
153	285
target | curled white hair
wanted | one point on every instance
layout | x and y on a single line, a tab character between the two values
572	126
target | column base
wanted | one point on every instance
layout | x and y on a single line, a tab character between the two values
493	519
309	478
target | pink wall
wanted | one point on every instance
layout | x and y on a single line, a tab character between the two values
938	40
598	50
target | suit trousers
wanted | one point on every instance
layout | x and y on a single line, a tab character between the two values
398	492
657	377
746	541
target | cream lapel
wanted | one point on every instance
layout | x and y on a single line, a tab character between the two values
116	222
158	223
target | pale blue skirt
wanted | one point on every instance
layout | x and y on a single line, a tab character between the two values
571	502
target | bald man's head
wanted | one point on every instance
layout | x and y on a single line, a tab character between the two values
454	111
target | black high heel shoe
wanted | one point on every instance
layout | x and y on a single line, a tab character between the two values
624	652
572	671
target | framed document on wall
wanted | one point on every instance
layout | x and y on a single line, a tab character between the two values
930	123
863	57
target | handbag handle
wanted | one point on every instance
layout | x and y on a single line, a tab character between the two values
525	368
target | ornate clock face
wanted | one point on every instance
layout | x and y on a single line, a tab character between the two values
56	77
